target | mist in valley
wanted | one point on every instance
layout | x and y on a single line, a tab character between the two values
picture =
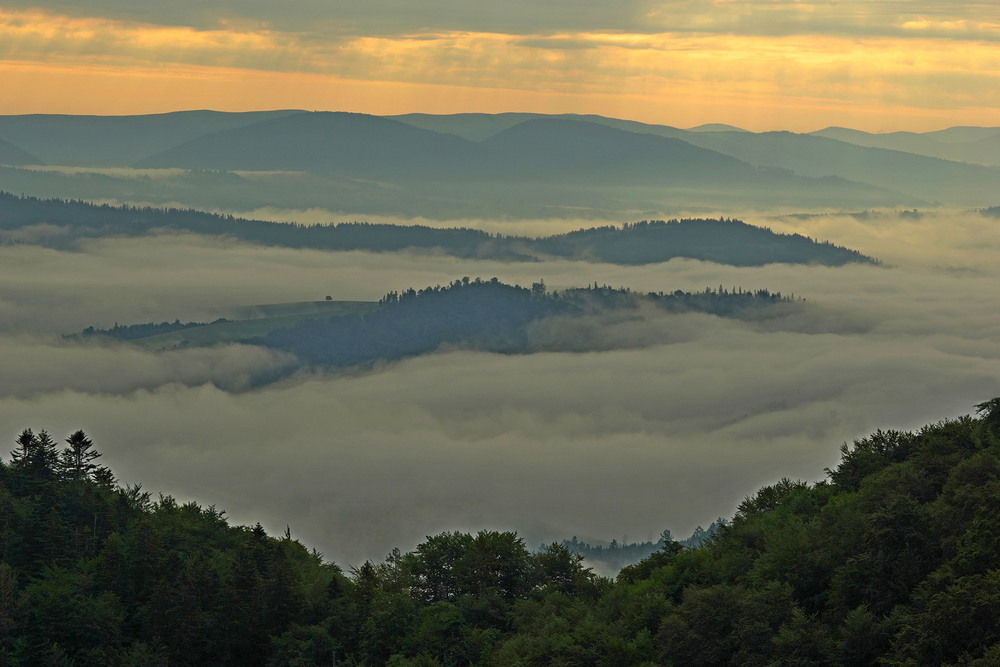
616	428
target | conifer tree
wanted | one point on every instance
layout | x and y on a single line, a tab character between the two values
76	461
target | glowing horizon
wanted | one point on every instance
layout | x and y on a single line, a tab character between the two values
870	71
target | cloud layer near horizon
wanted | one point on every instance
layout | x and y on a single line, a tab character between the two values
775	65
669	426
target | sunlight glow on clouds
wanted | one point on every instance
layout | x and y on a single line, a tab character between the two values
683	62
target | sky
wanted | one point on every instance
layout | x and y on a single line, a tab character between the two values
801	65
619	428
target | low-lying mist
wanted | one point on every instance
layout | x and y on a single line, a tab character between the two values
647	422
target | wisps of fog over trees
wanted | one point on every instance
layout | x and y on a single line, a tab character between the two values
670	423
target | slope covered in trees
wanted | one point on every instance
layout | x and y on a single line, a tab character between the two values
891	560
484	315
467	314
725	241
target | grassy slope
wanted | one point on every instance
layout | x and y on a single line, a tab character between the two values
261	320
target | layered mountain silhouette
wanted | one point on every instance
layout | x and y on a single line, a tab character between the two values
329	142
490	165
979	145
115	141
555	151
14	155
945	166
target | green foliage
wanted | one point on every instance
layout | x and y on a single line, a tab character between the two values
95	574
894	560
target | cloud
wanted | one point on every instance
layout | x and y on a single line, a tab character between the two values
649	422
849	58
104	368
43	36
400	17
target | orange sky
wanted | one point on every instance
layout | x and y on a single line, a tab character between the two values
916	73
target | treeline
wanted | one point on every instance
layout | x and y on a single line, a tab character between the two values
725	241
616	555
144	330
94	573
477	314
469	314
891	560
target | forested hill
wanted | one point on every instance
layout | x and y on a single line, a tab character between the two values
486	315
61	223
891	560
468	314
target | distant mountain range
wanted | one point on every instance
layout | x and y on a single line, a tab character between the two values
115	141
11	154
978	145
489	165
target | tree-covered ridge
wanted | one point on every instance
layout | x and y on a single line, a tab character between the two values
94	573
724	241
143	330
477	314
727	241
892	560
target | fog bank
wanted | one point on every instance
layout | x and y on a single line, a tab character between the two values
669	424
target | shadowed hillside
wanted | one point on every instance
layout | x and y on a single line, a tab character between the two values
116	141
13	155
63	223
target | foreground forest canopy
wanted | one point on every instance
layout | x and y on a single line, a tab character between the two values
890	560
62	223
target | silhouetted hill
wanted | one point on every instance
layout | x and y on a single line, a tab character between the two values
564	149
963	133
595	154
14	155
357	144
116	141
723	241
895	167
979	145
475	165
716	127
472	126
541	154
814	156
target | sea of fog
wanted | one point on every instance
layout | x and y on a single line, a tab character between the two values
669	426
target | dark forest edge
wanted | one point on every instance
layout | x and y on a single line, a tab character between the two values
63	223
890	560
